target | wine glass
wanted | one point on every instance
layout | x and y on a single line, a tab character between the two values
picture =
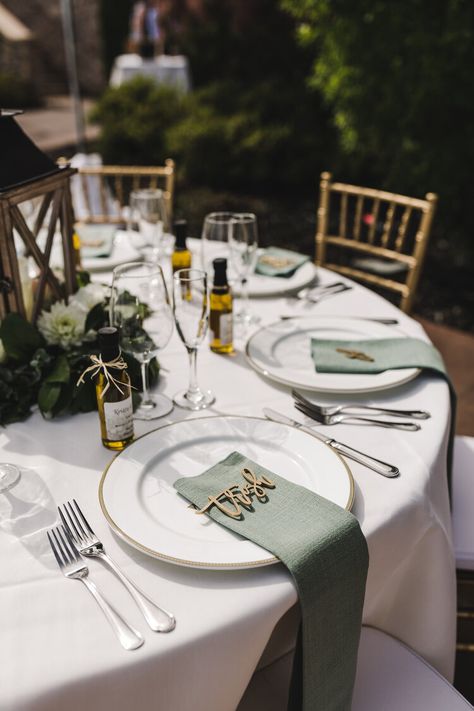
140	309
147	219
243	243
191	313
214	238
9	475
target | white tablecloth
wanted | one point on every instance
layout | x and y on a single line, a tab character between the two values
58	651
165	69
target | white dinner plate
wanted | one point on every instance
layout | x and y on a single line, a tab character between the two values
259	284
140	504
282	352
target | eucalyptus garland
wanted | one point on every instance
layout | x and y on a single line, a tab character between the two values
40	365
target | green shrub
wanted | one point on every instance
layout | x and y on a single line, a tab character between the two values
134	119
17	93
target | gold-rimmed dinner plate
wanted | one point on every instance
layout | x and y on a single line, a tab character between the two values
281	351
139	501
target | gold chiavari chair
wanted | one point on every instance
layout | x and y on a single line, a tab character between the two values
105	189
380	236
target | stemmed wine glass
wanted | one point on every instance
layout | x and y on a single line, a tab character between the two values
147	220
191	313
243	243
214	238
140	309
9	475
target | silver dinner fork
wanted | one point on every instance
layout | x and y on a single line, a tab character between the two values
357	408
73	566
89	545
315	294
354	419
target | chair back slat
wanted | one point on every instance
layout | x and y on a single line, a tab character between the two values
343	215
402	230
358	217
381	237
103	194
373	220
388	224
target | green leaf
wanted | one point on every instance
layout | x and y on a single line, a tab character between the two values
96	318
48	396
61	371
19	337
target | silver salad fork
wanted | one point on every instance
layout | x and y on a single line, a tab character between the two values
74	567
89	545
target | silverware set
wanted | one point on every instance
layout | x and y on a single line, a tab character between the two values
314	294
74	539
353	413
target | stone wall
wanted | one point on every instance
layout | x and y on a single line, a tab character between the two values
44	19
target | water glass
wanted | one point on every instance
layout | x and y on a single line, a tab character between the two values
243	245
147	220
141	310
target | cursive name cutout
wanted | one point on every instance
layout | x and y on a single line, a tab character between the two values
231	499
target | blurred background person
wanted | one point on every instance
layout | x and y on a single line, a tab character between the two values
147	36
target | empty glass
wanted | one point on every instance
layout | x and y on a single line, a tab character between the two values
243	244
215	238
147	220
140	309
191	313
9	475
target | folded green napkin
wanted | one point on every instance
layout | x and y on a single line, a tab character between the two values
325	551
278	262
377	355
96	240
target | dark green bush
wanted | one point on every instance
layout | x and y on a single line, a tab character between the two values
17	93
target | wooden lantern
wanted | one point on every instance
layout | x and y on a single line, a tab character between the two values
28	174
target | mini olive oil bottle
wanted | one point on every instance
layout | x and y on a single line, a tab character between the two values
115	401
221	318
181	257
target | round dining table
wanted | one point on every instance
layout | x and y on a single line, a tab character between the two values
58	651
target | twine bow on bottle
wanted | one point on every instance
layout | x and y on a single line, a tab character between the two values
99	365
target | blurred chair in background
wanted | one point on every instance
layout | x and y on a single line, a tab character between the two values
100	192
380	237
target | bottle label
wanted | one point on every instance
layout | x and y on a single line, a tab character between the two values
225	329
119	419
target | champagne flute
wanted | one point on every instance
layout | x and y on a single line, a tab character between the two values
214	238
191	313
147	219
243	243
140	309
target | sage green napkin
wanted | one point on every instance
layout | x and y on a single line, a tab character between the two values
336	356
325	551
276	262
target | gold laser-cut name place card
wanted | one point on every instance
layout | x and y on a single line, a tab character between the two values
231	499
355	355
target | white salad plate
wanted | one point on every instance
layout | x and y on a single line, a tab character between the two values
139	501
282	352
258	284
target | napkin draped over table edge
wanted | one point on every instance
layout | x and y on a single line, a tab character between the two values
325	551
371	356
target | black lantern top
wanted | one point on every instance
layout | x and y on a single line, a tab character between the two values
20	160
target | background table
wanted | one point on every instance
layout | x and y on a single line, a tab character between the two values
172	70
57	649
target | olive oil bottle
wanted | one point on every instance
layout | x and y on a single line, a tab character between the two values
115	401
221	318
181	257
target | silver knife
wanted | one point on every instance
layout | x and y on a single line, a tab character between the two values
378	466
